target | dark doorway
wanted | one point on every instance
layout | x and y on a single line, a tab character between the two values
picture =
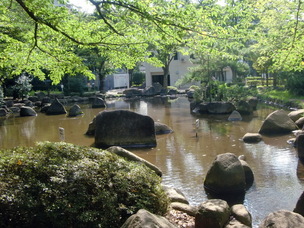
160	79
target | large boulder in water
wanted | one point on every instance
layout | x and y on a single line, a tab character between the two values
56	108
277	122
98	102
75	110
226	175
283	219
27	111
124	128
220	107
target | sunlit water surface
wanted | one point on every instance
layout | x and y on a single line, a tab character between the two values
183	157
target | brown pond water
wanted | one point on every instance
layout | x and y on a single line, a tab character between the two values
184	158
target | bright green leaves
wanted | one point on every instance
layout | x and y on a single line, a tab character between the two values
38	36
279	35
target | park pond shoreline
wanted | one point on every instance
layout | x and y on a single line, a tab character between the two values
184	158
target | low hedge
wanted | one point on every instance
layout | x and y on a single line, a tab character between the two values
64	185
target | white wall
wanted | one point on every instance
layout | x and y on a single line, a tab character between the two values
121	80
178	68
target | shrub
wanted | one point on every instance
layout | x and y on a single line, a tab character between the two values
64	185
138	78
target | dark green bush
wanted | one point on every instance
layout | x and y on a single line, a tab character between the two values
64	185
295	83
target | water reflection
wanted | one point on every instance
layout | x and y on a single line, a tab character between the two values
184	158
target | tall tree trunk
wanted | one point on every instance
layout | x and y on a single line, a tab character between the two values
166	75
130	72
274	83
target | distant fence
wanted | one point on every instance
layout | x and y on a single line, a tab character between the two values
261	81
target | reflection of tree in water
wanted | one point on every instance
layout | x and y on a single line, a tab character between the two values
28	128
3	121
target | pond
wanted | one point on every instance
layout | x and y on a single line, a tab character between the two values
183	157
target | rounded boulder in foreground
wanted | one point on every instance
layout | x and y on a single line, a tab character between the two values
283	219
226	175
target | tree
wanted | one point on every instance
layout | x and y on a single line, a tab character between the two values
278	36
39	35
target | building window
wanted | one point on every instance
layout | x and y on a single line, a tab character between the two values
175	56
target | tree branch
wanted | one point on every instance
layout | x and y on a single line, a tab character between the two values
35	42
53	27
294	37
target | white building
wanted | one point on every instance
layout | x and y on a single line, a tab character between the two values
179	67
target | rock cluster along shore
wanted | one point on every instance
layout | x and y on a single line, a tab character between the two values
212	213
53	105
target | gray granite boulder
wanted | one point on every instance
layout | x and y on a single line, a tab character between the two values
186	208
145	219
277	122
241	214
132	92
220	107
98	102
233	223
226	175
249	177
212	213
300	122
75	110
161	128
297	114
283	219
3	112
150	91
175	195
252	137
46	100
33	98
28	103
124	128
91	128
299	144
27	111
45	107
9	103
56	108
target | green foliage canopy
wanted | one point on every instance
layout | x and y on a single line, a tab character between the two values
39	34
